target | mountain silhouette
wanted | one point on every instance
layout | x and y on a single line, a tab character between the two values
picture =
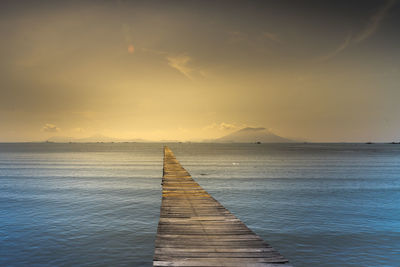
252	135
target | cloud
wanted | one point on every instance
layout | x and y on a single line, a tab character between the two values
338	50
272	37
211	126
180	63
370	28
50	128
222	126
374	22
236	37
226	126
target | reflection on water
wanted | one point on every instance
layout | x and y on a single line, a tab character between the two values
98	204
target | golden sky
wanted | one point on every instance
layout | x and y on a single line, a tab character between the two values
195	70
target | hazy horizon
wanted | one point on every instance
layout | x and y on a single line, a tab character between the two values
318	71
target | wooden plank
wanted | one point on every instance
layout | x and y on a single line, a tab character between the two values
196	230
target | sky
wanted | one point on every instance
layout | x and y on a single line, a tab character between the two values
318	71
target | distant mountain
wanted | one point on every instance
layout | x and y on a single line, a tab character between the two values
252	135
91	139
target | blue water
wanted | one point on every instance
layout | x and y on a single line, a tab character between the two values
98	204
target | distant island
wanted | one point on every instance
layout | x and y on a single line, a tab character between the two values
252	135
245	135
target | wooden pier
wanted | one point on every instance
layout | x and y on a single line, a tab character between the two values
196	230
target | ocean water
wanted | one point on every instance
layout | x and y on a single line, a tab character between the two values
98	204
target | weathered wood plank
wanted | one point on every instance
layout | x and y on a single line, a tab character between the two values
196	230
220	262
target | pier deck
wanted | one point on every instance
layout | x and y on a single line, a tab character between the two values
196	230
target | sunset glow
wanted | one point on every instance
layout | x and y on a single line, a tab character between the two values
183	70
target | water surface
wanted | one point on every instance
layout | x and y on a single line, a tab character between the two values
98	204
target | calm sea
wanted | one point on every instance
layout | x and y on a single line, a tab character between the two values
98	204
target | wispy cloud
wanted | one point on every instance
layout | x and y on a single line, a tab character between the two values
50	128
370	28
374	22
237	37
273	37
338	50
227	126
180	63
223	126
211	126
